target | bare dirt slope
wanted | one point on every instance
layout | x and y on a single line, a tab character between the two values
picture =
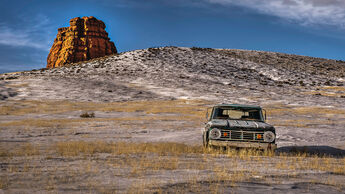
153	101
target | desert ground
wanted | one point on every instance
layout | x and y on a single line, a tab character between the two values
132	123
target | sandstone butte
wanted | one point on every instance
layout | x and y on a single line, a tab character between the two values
85	39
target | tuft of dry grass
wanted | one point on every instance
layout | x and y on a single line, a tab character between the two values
87	115
25	149
75	148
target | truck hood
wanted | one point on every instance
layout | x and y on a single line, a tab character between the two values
239	124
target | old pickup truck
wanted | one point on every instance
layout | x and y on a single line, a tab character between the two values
235	125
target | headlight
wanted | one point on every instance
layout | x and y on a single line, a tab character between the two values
215	134
269	136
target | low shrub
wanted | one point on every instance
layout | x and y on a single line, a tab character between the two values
87	115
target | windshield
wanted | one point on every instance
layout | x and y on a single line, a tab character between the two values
237	114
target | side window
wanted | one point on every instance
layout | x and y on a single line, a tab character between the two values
254	115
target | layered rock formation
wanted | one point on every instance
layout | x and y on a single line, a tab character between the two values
85	39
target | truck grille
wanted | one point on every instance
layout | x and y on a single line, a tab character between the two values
257	136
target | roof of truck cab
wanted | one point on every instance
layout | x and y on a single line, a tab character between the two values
238	106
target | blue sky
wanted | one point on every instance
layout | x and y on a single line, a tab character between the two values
304	27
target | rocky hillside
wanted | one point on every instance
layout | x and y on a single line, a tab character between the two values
173	72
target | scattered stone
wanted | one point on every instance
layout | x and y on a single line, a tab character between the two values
5	92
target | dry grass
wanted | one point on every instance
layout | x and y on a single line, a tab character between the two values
25	149
141	161
151	112
325	93
190	107
303	117
304	123
313	163
21	85
286	110
123	122
119	148
330	91
334	88
36	107
4	182
49	123
317	110
76	148
69	162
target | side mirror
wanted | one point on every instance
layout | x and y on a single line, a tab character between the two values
265	116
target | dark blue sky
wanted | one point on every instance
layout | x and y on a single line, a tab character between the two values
303	27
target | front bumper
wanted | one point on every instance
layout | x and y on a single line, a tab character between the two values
259	145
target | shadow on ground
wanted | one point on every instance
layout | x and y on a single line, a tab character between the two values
318	150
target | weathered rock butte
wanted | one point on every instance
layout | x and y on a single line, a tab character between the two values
85	39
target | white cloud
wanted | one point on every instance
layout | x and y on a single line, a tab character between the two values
15	38
305	12
31	34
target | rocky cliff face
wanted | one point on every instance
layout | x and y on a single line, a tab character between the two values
85	39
